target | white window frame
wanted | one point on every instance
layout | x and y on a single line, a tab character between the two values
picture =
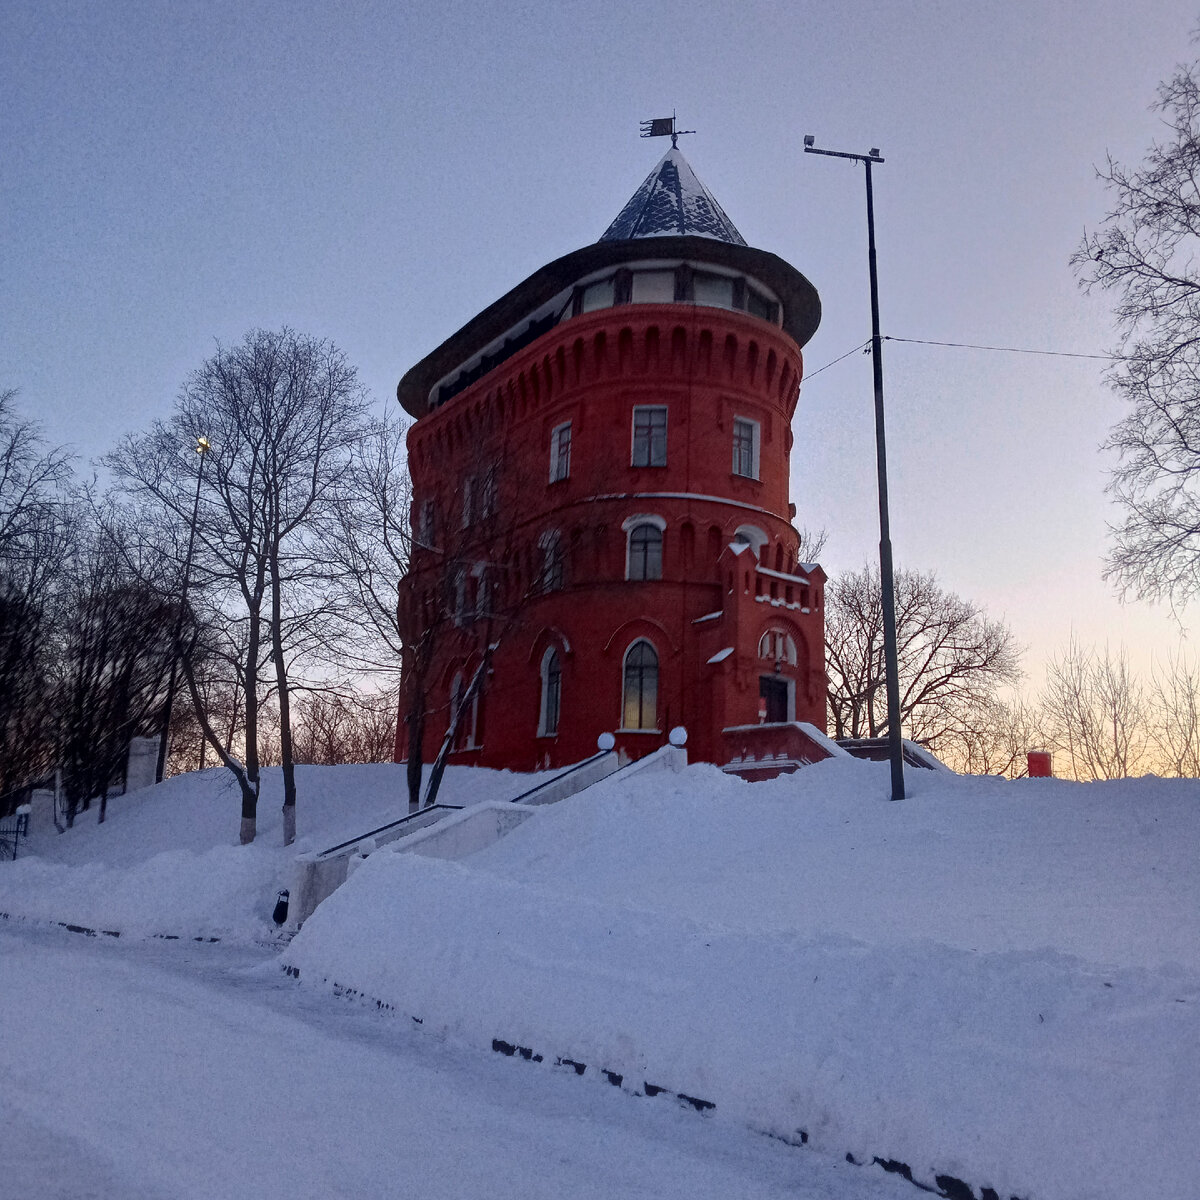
653	728
635	522
425	524
777	645
468	489
550	655
633	444
487	494
753	537
755	430
552	572
560	452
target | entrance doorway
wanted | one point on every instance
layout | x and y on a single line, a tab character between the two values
774	691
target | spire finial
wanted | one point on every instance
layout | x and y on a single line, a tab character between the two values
664	127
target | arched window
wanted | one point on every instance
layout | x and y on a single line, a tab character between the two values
639	703
644	550
551	694
752	536
778	646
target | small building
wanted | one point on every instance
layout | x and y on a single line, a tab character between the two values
603	535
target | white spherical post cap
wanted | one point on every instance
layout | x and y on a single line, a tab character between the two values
605	741
678	736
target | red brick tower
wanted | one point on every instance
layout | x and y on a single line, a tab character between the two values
601	519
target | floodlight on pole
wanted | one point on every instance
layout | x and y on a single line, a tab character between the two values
202	447
886	580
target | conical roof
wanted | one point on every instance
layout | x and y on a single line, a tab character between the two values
672	202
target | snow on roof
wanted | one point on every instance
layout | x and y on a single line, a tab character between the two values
672	201
721	655
712	616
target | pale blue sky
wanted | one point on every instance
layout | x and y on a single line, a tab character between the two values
175	173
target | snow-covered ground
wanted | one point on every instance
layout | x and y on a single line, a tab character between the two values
172	1072
995	981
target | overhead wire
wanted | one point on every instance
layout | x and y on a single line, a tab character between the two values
958	346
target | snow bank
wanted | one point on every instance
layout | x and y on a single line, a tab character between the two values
994	981
166	859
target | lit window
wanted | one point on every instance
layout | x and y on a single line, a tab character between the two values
645	552
745	447
560	452
639	704
551	694
650	436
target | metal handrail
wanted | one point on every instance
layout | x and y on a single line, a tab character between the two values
561	775
391	825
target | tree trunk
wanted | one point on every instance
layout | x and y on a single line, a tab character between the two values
464	704
416	748
285	707
247	786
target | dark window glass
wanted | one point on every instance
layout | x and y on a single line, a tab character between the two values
743	448
650	437
553	564
551	693
645	552
560	453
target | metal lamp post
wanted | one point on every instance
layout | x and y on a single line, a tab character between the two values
202	448
887	586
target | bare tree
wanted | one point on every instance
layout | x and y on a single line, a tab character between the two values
114	653
952	657
35	535
332	728
1145	253
281	412
1174	716
475	569
994	738
1095	711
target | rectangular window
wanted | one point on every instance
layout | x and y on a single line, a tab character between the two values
714	290
757	305
745	447
468	488
560	452
425	525
597	295
650	436
487	494
654	287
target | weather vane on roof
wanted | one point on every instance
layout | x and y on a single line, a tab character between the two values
664	127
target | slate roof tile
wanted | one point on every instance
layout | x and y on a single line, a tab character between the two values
671	202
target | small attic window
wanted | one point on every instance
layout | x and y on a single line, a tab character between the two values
757	305
654	287
713	290
596	296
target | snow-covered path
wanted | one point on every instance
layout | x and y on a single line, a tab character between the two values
147	1071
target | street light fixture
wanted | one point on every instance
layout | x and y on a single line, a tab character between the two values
887	585
202	447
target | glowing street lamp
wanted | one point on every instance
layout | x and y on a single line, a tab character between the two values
887	586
